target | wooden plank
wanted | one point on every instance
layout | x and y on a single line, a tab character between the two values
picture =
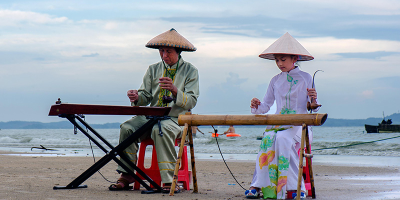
178	161
193	162
89	109
300	175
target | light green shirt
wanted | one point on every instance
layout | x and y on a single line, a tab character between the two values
186	80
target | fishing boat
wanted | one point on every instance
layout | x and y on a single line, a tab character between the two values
383	127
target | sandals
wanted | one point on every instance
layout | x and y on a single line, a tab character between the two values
117	186
252	194
302	195
167	189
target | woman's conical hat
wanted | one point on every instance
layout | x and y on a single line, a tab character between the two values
286	45
171	38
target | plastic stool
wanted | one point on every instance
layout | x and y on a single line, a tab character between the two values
154	172
306	176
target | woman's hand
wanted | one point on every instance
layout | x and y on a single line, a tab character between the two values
254	103
312	93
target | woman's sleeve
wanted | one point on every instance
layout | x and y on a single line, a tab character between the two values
267	101
309	85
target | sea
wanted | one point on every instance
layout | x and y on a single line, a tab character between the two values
346	141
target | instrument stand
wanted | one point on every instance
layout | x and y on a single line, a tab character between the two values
112	155
305	142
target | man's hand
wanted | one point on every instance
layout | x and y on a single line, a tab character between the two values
133	95
254	103
167	84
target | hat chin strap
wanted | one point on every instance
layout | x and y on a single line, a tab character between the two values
167	99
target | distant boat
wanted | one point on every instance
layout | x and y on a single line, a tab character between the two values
383	127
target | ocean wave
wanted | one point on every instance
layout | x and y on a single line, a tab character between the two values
342	141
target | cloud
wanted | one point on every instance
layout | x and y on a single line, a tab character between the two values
45	50
91	55
367	55
111	26
362	7
389	81
15	17
367	94
324	47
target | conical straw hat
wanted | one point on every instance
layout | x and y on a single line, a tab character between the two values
171	38
286	45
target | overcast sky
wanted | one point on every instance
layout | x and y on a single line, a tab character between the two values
92	52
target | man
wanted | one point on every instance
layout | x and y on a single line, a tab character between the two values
173	83
195	129
231	129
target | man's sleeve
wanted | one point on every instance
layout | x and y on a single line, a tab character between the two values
187	99
145	96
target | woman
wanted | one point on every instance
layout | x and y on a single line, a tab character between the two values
277	161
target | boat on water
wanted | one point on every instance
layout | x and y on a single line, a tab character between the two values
383	127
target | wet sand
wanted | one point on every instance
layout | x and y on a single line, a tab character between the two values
33	177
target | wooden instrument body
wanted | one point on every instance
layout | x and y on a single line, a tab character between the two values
88	109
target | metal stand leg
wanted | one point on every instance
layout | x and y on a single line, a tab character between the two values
112	155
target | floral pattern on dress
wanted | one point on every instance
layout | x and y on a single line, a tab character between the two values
269	192
277	169
287	109
282	181
283	163
276	129
273	173
266	142
266	158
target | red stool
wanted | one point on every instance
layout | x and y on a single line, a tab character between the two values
306	177
154	172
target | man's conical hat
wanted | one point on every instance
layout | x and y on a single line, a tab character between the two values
286	45
171	38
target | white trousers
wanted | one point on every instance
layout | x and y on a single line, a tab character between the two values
277	164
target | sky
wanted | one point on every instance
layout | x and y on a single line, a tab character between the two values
92	52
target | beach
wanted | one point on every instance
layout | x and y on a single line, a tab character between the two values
32	176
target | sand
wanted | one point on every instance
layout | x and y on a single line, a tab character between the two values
33	177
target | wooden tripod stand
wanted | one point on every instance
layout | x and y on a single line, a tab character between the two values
304	120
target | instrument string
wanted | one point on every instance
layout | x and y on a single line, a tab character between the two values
349	145
224	112
94	159
216	139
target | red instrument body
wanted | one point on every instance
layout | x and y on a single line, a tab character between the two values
71	109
